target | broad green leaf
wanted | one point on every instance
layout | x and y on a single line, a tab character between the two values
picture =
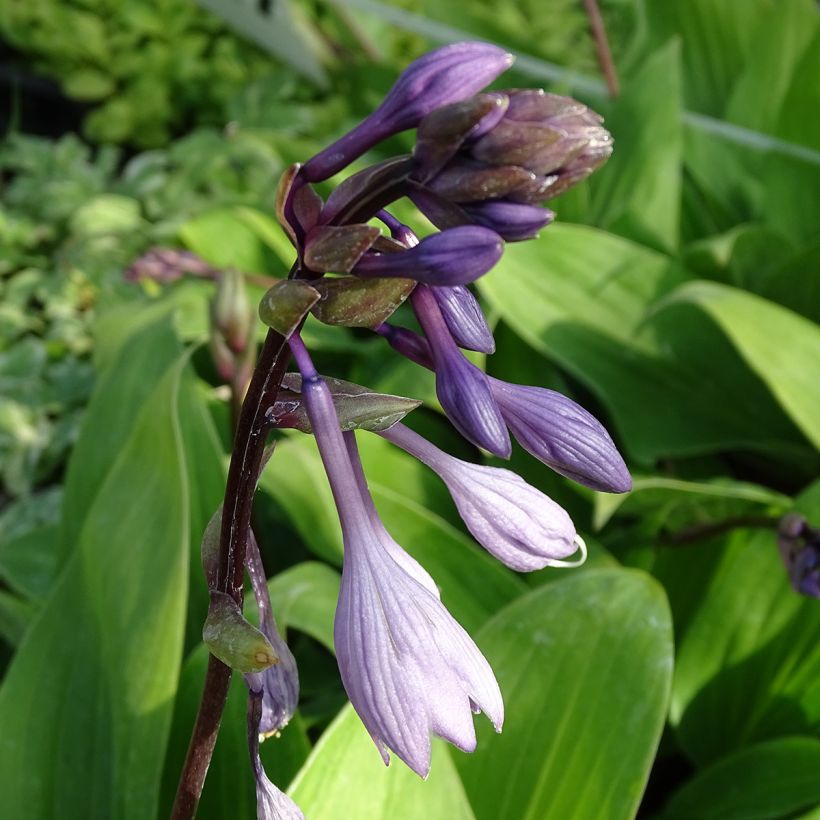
767	781
580	297
782	347
716	36
637	193
345	777
229	790
28	563
270	232
86	704
140	346
304	597
224	239
748	664
584	665
15	617
695	501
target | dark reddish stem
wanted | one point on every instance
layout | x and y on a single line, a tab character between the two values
246	462
596	23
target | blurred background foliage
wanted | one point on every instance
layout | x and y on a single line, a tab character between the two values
677	297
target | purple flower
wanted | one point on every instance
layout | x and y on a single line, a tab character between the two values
513	521
453	257
800	550
406	664
463	390
464	318
512	221
279	684
271	804
443	76
563	435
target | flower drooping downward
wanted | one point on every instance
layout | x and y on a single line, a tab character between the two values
408	667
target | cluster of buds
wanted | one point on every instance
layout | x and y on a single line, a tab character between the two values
482	164
799	545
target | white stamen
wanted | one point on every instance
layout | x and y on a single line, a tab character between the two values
579	542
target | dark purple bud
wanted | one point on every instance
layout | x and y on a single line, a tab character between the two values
512	221
563	435
443	76
441	212
464	318
348	301
799	546
463	390
167	265
409	344
376	186
338	248
307	205
443	131
466	180
454	257
536	105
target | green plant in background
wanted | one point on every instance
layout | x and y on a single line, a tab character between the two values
149	67
677	297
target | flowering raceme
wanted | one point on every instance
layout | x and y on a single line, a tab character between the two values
482	166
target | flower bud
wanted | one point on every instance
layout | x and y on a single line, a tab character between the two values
443	76
454	257
512	221
231	310
232	639
466	180
285	305
513	521
799	546
357	407
464	318
563	435
442	132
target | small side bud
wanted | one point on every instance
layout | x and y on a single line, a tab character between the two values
348	301
285	305
338	248
232	639
231	310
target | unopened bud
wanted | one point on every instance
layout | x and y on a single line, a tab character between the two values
232	639
283	196
285	305
231	310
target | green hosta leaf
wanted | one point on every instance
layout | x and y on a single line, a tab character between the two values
782	347
345	777
584	665
580	297
749	653
637	193
86	705
304	597
767	781
694	501
15	617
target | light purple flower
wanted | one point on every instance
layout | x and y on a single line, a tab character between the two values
279	683
515	522
406	664
463	390
443	76
464	318
454	257
563	435
271	803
